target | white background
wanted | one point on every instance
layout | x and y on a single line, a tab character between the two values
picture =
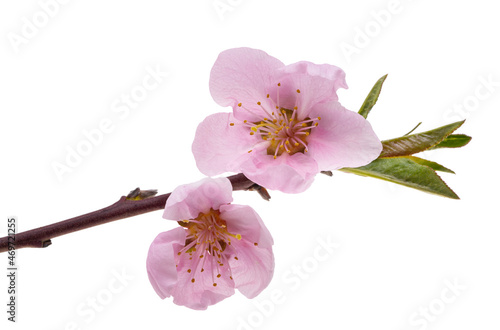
398	247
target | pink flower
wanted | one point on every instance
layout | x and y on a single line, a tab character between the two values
219	247
287	124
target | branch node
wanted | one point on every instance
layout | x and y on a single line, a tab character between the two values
138	194
261	190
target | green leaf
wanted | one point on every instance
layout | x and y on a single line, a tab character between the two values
411	144
405	171
435	166
372	97
454	141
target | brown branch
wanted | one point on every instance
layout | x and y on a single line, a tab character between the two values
123	208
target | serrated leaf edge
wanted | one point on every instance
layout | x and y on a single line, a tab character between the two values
432	146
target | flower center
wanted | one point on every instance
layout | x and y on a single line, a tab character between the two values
281	128
207	238
285	132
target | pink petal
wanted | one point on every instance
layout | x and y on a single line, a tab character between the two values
290	174
160	262
316	83
219	147
243	75
169	280
187	201
343	138
253	270
201	293
243	220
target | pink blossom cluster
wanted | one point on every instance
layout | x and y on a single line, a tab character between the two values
286	126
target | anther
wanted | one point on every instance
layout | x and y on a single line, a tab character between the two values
239	104
298	90
231	124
